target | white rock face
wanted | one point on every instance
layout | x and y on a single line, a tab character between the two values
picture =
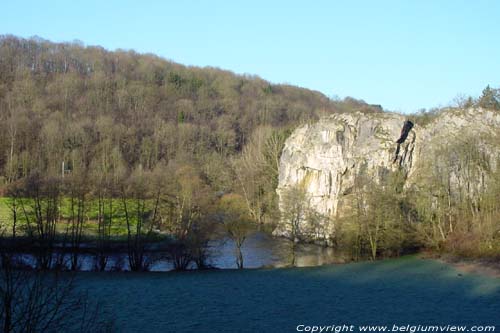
324	158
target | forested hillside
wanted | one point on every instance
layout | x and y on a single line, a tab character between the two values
113	112
75	103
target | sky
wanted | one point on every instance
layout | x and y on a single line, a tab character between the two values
405	55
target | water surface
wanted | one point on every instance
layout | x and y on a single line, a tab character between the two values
259	250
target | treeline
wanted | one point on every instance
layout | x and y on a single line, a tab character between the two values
57	219
489	100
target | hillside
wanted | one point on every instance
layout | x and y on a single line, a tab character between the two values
85	105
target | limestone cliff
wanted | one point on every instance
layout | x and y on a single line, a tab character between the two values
324	158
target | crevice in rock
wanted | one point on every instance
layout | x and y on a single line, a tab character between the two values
407	126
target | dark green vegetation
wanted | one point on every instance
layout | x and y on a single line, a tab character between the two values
400	291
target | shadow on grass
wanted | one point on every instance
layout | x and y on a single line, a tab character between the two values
399	291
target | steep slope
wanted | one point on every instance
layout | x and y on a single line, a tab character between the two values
82	103
327	158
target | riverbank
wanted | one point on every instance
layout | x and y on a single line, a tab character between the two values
487	267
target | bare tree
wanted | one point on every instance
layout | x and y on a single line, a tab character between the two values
187	206
105	214
40	206
141	213
295	207
78	191
13	201
256	171
35	301
237	222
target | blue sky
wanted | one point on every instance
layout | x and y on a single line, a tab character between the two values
402	54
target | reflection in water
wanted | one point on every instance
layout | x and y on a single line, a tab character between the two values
262	250
259	250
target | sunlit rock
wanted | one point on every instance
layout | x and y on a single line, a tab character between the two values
324	158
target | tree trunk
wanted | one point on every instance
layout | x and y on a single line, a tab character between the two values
239	256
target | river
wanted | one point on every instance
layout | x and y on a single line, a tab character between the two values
259	250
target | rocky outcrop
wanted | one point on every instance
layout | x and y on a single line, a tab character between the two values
326	157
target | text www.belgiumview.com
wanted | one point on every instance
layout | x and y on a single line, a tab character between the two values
394	328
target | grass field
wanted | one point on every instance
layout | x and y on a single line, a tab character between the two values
405	291
5	215
91	213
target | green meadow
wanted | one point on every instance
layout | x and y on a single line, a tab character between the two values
118	226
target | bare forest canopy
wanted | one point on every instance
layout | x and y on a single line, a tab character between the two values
93	108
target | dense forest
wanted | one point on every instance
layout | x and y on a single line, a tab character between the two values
92	108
